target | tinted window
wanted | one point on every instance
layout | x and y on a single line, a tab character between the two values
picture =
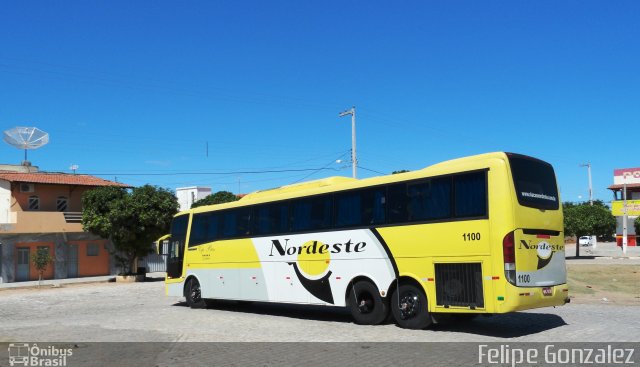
204	228
312	214
470	195
348	209
360	208
429	200
272	218
534	181
420	201
235	223
397	203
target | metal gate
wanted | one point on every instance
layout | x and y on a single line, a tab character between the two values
154	263
72	262
22	266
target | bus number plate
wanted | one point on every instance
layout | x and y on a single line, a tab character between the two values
547	291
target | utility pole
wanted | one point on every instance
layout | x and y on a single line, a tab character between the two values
588	165
354	161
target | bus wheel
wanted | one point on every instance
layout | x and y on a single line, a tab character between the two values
409	307
194	297
366	305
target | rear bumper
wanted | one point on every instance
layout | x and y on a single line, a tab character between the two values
520	298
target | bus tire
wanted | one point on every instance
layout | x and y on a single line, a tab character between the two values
409	307
194	295
366	305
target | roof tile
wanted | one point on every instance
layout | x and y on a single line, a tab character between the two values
57	178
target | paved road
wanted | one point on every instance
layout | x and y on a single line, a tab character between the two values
141	312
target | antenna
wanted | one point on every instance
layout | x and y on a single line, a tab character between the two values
26	138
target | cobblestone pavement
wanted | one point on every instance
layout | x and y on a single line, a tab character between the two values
140	312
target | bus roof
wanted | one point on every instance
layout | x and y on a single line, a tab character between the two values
339	183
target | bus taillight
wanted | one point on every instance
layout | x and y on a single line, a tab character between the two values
509	255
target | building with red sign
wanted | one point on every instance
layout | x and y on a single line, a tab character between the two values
629	179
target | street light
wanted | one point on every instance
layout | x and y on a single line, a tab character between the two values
352	112
588	165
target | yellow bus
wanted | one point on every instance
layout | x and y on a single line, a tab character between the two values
475	235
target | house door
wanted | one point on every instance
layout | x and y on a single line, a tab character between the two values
22	266
72	262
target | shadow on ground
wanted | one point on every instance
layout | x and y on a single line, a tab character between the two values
506	326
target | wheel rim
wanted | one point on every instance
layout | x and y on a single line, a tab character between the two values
195	292
365	302
409	305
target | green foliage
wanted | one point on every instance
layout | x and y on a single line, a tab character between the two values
599	203
587	220
636	224
132	220
569	204
41	260
217	198
400	171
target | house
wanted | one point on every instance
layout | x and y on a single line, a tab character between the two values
189	195
44	210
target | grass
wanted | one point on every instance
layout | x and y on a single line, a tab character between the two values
593	283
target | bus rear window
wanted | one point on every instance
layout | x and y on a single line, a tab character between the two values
535	182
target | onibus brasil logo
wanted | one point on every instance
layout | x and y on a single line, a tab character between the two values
24	354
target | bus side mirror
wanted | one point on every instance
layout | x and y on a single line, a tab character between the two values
162	245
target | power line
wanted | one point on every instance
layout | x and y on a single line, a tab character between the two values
322	168
206	173
371	170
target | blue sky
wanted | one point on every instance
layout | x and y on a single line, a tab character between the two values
129	89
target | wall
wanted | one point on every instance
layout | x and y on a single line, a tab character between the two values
33	247
5	201
188	195
48	195
59	242
92	265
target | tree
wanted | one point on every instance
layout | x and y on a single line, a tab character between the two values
587	220
217	198
132	220
41	260
400	171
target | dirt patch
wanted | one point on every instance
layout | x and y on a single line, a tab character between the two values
604	284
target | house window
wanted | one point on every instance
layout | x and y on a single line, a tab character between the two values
93	249
62	204
34	203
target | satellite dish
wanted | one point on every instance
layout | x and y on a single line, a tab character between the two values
26	138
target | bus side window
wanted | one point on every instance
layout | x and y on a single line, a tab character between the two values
243	221
373	206
271	219
439	204
429	200
348	209
312	213
471	195
397	203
